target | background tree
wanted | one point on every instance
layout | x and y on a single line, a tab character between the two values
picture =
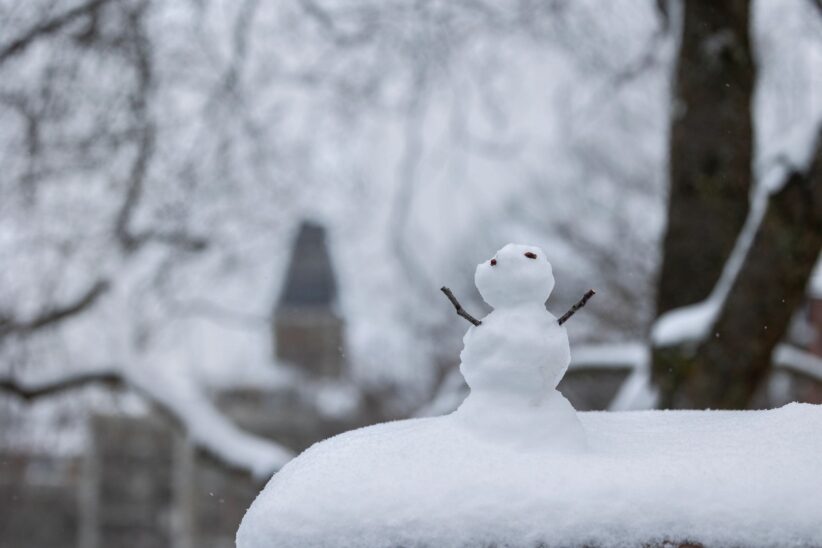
737	252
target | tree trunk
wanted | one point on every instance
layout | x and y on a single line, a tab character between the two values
711	149
711	153
728	367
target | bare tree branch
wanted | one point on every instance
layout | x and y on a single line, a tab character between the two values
49	26
55	315
580	303
326	21
460	310
141	58
195	414
32	392
565	317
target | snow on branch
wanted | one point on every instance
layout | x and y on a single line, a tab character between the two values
182	401
792	358
637	391
630	355
694	323
209	428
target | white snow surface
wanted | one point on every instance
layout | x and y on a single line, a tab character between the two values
742	478
515	465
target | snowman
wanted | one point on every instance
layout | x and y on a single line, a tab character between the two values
514	358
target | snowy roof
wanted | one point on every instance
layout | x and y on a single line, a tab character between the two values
742	478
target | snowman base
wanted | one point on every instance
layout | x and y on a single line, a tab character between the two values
550	424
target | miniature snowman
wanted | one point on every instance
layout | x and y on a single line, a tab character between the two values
516	356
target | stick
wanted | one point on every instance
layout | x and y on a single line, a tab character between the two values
460	311
580	303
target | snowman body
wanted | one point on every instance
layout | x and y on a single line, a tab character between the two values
514	360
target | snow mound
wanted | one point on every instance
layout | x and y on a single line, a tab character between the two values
742	478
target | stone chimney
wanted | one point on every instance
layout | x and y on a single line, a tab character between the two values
308	331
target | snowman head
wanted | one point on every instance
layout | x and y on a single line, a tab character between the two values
517	274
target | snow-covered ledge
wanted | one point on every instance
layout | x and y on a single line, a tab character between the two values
733	478
516	466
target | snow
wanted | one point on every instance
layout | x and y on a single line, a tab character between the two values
513	99
693	323
787	106
743	478
797	154
790	357
610	355
815	285
515	358
687	323
515	465
786	138
207	426
187	403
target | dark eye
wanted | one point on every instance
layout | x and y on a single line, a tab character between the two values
530	255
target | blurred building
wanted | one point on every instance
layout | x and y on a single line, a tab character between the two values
39	499
308	331
141	484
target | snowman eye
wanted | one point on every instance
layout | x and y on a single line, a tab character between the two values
530	255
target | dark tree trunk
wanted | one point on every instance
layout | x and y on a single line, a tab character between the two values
728	368
710	149
711	152
711	159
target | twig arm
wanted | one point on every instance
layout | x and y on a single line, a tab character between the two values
460	310
579	304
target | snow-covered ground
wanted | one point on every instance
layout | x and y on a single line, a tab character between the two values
720	478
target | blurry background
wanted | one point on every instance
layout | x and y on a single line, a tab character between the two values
224	225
